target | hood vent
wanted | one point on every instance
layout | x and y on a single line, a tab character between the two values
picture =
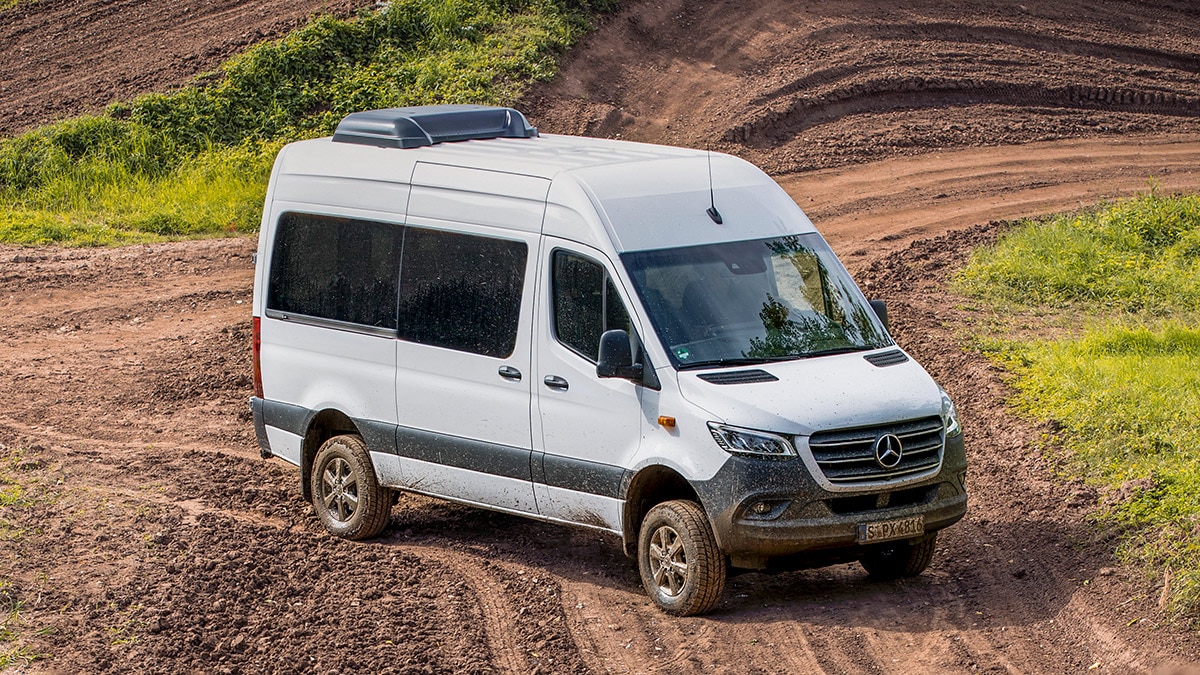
431	124
888	358
739	377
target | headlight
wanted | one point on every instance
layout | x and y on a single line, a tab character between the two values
749	442
950	416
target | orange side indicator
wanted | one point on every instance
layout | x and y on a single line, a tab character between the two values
668	422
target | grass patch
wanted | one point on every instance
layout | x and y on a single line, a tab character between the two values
14	493
195	162
1137	255
1124	389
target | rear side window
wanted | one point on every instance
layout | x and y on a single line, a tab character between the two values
585	304
336	268
461	291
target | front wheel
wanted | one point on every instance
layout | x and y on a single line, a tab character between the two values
345	493
681	566
899	559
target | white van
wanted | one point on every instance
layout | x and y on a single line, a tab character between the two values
645	340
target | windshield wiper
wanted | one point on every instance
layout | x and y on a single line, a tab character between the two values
838	350
740	361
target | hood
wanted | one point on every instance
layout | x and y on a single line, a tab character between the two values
816	394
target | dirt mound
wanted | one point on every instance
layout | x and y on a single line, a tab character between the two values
799	86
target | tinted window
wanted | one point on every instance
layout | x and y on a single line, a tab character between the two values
461	291
585	304
335	268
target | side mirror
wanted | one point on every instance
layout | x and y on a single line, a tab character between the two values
880	308
616	357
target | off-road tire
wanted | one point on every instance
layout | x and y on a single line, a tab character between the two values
899	559
675	534
346	495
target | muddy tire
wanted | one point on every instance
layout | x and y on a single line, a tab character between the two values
899	559
681	566
346	496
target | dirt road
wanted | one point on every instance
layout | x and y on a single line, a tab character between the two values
151	536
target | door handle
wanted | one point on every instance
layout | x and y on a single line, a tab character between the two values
556	382
510	373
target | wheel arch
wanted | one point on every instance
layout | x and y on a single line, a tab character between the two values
647	488
323	425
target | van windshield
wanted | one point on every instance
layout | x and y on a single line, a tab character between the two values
748	302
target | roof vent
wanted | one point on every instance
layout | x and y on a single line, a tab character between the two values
431	124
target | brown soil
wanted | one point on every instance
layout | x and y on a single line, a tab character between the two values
153	537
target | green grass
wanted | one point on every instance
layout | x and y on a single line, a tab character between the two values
195	162
14	494
1124	389
1138	255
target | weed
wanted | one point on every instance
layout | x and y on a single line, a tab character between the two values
13	651
1124	388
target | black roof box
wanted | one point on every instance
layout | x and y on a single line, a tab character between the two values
430	124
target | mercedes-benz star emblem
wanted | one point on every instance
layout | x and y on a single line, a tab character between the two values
888	451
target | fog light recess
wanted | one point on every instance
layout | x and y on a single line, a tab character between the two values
766	509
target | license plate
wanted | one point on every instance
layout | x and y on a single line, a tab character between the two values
887	530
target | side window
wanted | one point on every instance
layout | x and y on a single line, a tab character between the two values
335	268
586	304
461	291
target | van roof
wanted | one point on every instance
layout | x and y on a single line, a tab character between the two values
543	156
648	196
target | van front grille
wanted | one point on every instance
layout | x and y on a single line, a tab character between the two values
847	456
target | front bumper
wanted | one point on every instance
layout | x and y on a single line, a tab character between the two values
803	517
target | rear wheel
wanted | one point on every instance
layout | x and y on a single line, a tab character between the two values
899	559
345	493
682	569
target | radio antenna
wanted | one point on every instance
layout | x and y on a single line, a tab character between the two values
712	197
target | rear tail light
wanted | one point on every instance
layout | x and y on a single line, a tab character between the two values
258	387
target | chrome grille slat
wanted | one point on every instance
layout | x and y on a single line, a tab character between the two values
884	476
847	456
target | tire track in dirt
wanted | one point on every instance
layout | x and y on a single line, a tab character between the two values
769	129
966	35
498	612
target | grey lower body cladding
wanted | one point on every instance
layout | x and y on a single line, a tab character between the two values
462	453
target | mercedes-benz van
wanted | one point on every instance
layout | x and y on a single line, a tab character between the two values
650	341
